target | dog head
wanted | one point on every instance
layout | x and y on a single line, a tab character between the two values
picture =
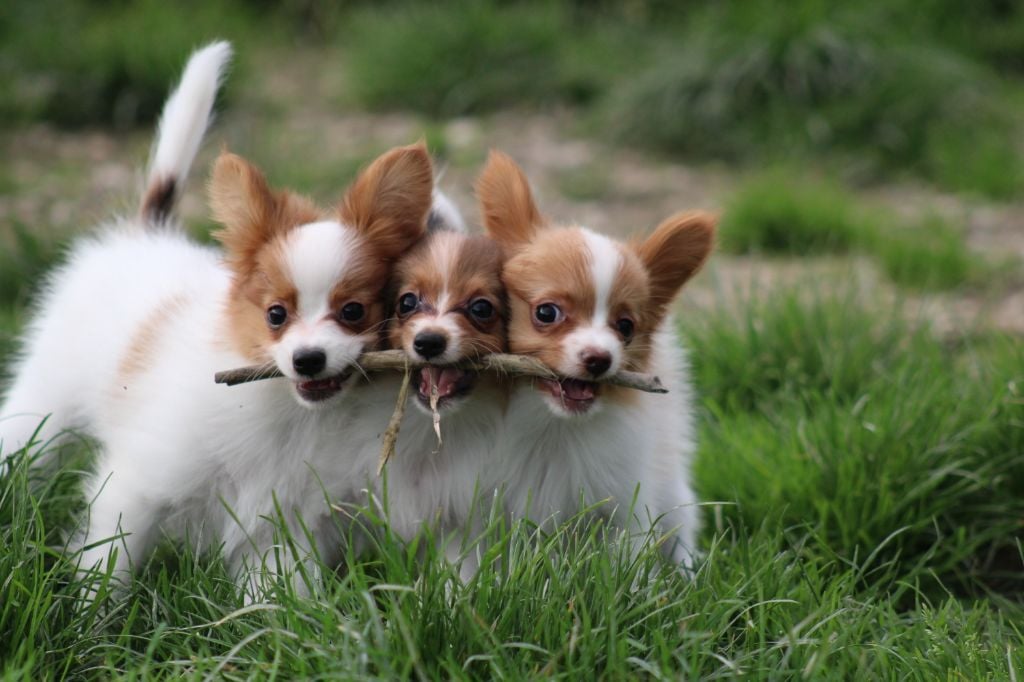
307	292
449	305
584	304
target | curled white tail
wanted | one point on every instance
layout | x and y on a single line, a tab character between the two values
183	123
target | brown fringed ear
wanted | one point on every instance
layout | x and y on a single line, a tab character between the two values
506	203
390	200
673	253
250	211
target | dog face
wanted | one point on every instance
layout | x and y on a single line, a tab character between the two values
581	303
449	305
308	283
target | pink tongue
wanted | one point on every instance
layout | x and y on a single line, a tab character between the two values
445	379
575	389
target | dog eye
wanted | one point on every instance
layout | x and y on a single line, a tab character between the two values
407	304
276	316
481	309
352	312
625	327
547	313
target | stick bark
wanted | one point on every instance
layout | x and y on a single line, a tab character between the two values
501	363
387	446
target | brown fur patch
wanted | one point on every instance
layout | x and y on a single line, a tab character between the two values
507	206
673	253
389	201
251	212
363	282
554	268
139	354
158	202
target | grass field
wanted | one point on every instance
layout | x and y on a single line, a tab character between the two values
855	341
864	502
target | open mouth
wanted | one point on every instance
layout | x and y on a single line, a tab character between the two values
575	395
451	384
317	390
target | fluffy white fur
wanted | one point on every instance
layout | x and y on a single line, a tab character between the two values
633	458
186	114
426	484
87	315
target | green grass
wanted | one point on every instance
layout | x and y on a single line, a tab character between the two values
933	255
744	82
25	255
472	56
78	63
784	212
835	416
867	487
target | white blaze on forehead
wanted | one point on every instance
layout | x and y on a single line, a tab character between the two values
443	252
605	261
316	255
595	334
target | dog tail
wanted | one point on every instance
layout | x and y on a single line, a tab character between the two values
183	123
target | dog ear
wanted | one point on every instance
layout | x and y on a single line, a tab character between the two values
506	203
250	211
391	198
673	253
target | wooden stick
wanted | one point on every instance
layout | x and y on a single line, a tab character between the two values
387	446
502	363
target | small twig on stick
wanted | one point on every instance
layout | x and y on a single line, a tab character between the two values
502	363
435	397
387	446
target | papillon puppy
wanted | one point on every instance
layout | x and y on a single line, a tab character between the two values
448	305
588	307
153	316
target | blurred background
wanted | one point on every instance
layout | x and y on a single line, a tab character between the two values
865	140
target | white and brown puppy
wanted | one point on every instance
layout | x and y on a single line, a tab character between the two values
588	306
299	288
134	326
448	305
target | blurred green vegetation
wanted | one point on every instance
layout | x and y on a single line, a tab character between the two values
104	62
476	56
783	212
926	87
859	79
787	213
834	398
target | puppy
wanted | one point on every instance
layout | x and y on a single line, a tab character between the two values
448	305
297	287
589	307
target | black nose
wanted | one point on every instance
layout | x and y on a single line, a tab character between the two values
429	344
309	361
597	362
